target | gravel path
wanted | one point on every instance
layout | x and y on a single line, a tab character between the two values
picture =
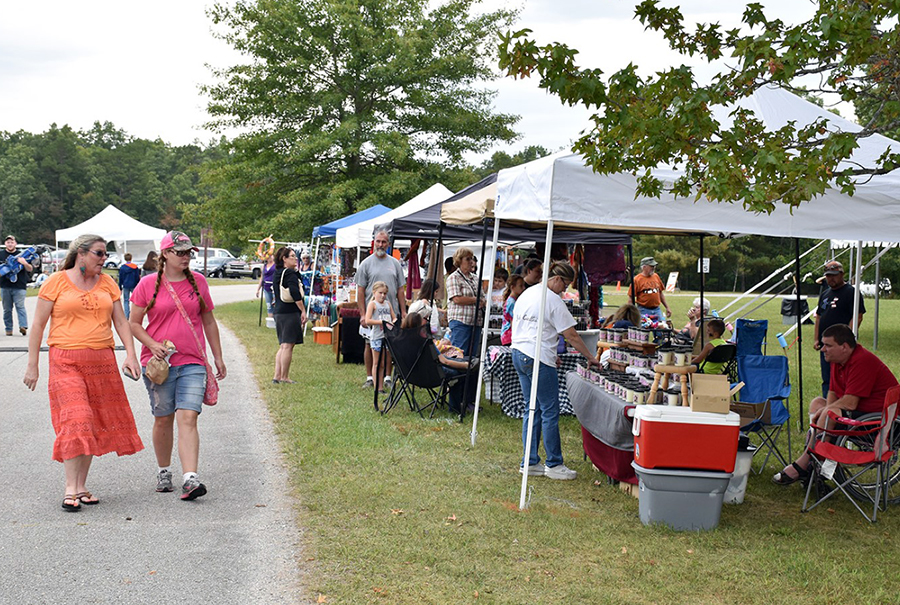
238	544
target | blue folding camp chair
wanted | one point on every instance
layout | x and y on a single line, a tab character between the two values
750	336
766	380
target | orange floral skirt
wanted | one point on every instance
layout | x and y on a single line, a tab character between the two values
88	406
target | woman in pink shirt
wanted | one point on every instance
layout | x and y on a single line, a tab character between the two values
179	399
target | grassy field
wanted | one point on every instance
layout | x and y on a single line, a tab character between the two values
397	509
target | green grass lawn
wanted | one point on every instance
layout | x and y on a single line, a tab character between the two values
396	509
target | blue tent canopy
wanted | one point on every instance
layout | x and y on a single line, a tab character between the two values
330	229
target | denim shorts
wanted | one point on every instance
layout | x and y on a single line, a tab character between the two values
377	344
182	390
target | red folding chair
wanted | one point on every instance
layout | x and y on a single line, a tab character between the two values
848	454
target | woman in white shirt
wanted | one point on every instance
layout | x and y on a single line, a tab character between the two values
525	334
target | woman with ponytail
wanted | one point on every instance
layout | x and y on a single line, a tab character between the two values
179	399
88	406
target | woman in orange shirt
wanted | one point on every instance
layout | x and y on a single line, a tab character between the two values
88	406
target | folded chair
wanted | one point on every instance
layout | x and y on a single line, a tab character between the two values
722	354
766	380
750	336
416	366
864	452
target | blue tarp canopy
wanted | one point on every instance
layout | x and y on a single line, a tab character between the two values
330	229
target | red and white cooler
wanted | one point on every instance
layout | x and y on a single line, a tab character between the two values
675	437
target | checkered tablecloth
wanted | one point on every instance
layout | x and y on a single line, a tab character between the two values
499	366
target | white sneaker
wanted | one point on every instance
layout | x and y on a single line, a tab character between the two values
560	472
535	470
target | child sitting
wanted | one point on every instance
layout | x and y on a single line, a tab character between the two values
714	330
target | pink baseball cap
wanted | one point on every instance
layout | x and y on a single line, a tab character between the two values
178	241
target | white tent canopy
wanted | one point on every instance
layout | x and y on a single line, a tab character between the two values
361	234
560	187
113	225
560	191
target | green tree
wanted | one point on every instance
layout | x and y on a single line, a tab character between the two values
344	104
849	48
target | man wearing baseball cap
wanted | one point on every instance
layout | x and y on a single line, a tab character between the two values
13	292
648	291
835	307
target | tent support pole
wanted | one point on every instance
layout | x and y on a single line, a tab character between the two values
877	301
799	331
262	296
856	283
631	274
702	296
312	283
536	365
470	347
484	339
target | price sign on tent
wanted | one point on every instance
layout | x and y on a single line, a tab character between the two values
705	262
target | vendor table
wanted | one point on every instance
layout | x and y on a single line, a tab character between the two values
605	429
499	368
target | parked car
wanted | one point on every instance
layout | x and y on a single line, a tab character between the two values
112	261
53	259
220	263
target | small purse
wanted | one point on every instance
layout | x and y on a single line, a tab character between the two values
284	293
211	395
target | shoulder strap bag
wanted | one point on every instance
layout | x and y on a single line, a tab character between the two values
285	293
211	395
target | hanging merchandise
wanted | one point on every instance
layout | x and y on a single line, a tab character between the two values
266	248
413	276
605	263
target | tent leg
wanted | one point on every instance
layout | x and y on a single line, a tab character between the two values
877	301
484	339
631	273
532	398
470	347
312	283
702	296
799	332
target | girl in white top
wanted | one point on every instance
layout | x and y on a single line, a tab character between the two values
378	313
422	305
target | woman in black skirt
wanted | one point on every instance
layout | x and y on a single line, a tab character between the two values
290	317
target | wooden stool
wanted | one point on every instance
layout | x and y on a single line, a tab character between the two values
663	371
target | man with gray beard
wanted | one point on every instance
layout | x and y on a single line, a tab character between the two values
379	267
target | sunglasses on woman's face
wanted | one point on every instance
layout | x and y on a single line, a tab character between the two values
181	253
100	253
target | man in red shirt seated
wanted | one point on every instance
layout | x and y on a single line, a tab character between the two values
859	381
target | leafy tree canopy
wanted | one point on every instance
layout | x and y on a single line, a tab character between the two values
848	49
344	104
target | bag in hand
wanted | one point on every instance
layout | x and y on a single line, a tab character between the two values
158	368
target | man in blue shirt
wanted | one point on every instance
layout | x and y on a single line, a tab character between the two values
129	276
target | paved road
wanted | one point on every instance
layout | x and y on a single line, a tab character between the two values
237	544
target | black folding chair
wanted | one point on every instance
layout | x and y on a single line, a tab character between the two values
727	354
416	365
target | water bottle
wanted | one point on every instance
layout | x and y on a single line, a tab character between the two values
781	340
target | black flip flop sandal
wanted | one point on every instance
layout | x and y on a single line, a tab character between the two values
783	478
71	508
90	498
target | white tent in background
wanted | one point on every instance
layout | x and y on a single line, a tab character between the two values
128	234
560	190
361	234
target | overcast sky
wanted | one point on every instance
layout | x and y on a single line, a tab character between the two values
139	64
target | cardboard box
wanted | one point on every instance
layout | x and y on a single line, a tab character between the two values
711	393
752	411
